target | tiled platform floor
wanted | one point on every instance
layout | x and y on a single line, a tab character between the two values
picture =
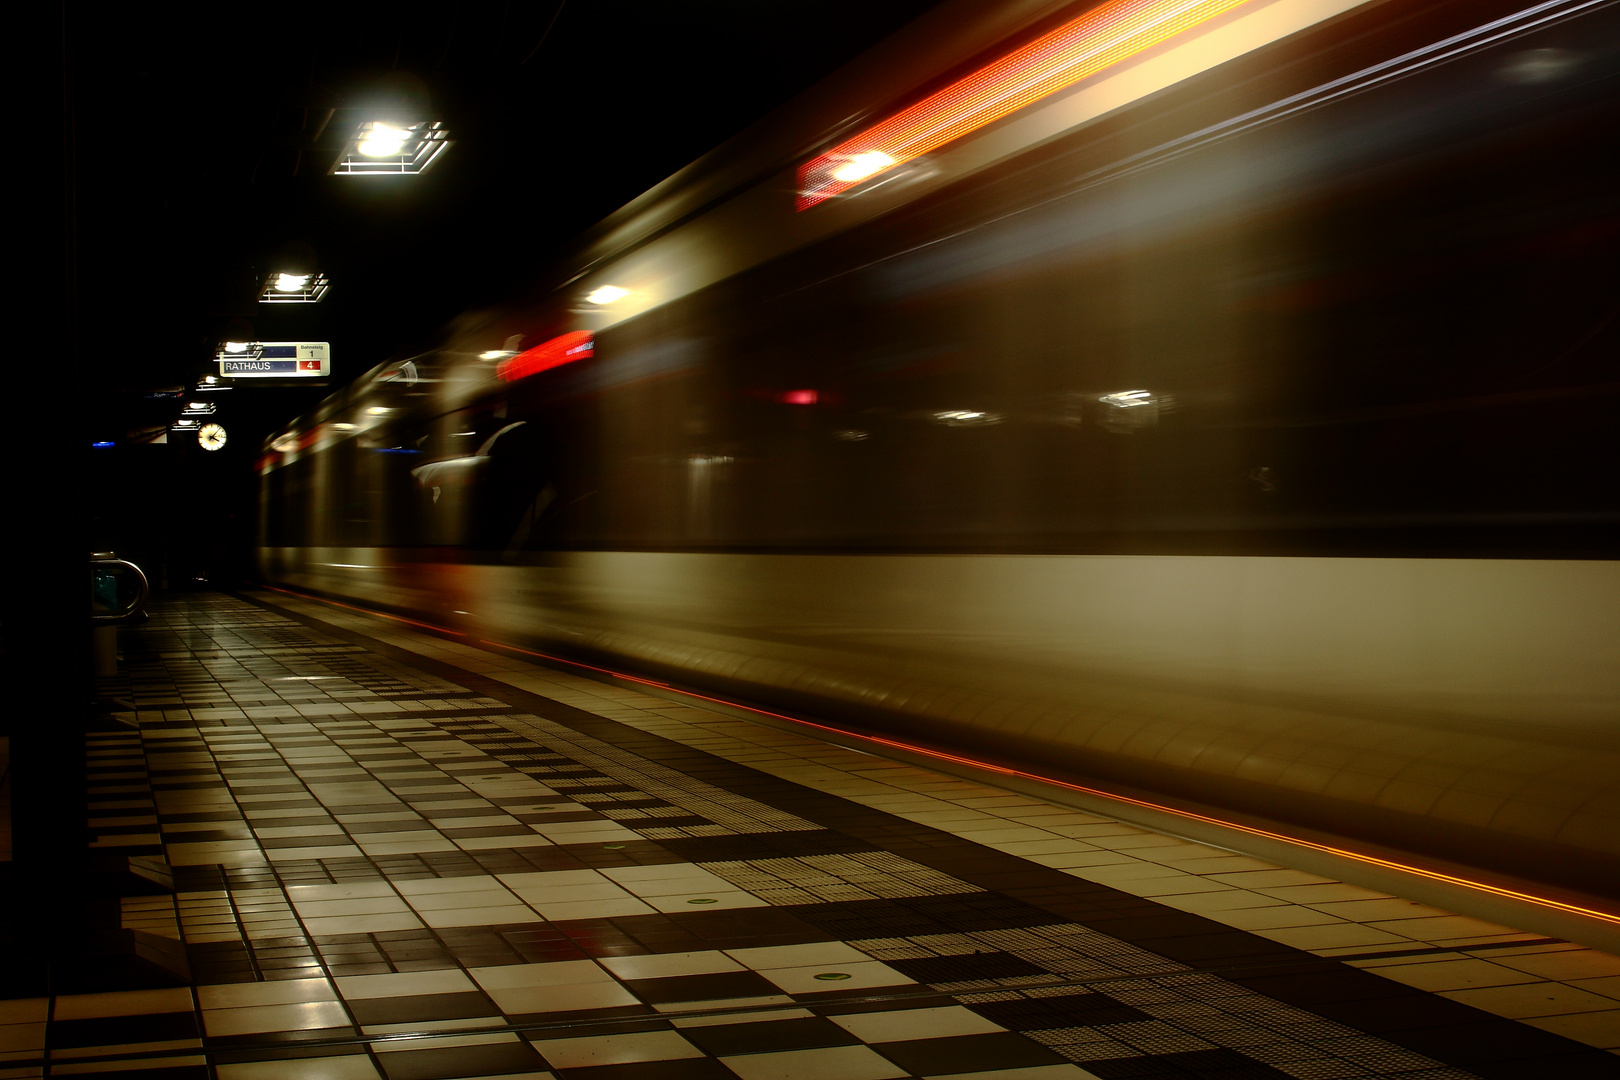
397	856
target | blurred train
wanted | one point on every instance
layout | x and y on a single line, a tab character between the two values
1211	398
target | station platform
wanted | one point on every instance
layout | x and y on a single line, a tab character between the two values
389	854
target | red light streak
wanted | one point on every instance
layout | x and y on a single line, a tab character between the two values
560	350
1005	770
1079	49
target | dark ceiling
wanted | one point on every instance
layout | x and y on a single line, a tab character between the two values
197	160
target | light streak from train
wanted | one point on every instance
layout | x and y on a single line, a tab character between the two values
560	350
607	294
1079	49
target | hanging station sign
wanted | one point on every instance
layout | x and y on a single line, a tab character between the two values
275	360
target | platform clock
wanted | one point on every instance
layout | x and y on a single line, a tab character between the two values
211	436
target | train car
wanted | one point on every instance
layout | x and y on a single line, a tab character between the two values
1212	399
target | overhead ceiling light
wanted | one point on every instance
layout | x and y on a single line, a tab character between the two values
496	354
283	287
607	294
382	148
383	140
237	352
378	410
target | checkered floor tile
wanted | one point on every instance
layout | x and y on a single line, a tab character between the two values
379	865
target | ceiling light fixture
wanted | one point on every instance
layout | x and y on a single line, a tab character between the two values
383	140
286	287
381	148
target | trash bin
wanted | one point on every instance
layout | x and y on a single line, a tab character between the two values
118	594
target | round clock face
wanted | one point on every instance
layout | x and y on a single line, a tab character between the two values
211	436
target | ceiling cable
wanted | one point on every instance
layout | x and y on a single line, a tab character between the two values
545	35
